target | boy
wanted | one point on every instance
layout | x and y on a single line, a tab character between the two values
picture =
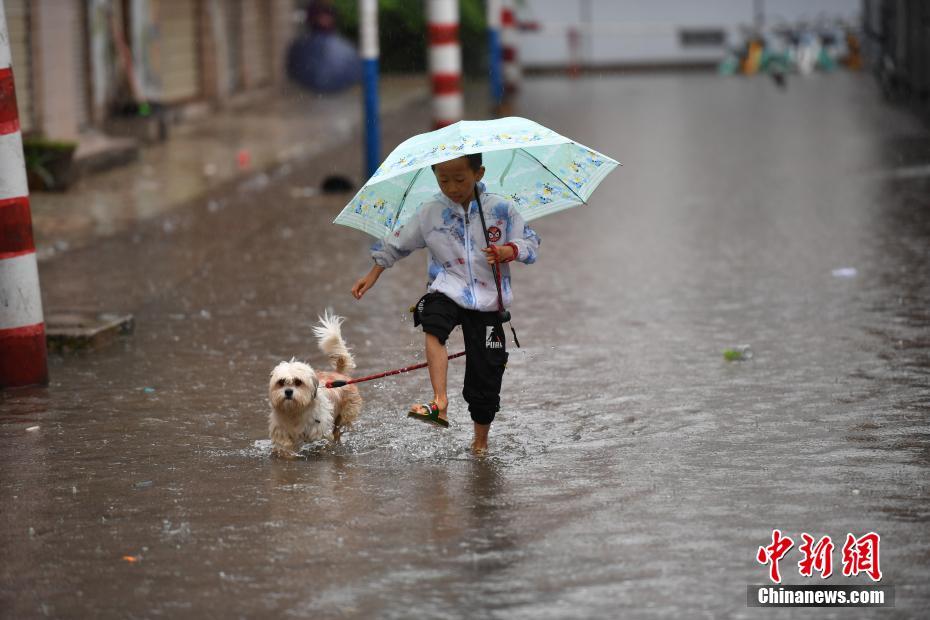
461	288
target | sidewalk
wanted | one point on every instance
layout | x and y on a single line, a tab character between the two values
204	154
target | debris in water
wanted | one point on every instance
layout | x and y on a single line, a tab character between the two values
254	184
243	159
132	559
32	429
182	531
337	184
739	353
149	185
148	390
144	484
845	272
281	171
304	192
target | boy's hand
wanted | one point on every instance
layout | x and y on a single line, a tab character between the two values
499	254
366	282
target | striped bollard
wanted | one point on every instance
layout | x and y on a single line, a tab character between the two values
23	358
495	76
445	62
370	53
512	73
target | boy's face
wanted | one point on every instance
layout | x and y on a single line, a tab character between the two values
457	180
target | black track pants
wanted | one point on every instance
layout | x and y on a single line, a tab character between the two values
485	350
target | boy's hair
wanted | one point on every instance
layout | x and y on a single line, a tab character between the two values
474	162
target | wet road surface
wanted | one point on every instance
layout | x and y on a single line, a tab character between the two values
633	471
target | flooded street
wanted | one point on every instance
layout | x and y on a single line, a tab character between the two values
633	471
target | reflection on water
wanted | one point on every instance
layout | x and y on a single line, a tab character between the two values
633	470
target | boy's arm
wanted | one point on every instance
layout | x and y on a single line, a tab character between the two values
367	281
398	244
388	251
522	237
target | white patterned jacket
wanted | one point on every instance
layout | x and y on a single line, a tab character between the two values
454	240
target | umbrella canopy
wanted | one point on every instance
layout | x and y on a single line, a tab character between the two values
323	62
539	170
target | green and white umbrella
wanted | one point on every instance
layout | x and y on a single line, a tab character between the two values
541	171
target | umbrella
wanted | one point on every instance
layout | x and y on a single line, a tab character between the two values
323	62
540	171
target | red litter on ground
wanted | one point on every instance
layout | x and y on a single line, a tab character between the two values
243	159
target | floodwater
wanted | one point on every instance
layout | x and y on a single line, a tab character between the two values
633	471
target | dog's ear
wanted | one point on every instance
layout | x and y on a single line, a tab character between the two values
316	383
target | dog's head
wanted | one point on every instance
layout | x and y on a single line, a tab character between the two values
292	387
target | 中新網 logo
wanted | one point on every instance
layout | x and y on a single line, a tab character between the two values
859	555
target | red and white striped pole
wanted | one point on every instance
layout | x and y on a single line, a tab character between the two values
445	61
23	358
512	72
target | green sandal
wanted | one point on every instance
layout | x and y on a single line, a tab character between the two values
432	417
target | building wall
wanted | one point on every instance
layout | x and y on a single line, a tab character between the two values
103	59
68	69
244	44
283	30
256	43
55	70
80	55
617	32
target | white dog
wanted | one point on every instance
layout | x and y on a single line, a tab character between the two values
302	408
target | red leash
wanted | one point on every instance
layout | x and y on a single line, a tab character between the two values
338	384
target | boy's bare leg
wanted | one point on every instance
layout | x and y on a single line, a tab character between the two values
480	444
438	359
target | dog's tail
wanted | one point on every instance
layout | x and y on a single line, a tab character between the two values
329	337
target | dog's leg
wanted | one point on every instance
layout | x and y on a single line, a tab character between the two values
283	444
351	407
337	430
285	452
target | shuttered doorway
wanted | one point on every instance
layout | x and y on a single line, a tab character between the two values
178	49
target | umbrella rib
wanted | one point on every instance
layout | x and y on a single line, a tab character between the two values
403	198
557	177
